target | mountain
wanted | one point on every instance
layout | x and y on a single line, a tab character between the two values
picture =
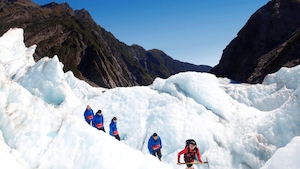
269	40
236	126
85	48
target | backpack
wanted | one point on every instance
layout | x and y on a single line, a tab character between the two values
190	156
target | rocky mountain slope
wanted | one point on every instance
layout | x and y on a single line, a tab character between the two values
268	41
85	48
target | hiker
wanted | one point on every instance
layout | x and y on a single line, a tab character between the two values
154	145
88	114
98	121
190	151
113	128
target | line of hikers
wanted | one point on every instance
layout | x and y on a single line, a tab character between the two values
97	121
154	143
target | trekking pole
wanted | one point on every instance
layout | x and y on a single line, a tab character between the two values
207	162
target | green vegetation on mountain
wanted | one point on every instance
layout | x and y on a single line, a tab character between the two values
85	48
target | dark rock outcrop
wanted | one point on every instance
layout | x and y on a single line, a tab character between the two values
268	41
85	48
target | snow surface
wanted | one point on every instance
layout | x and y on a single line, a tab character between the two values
286	157
235	125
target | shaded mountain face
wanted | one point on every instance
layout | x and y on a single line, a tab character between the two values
268	41
85	48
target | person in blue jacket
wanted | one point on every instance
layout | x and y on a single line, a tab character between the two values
98	121
88	114
154	145
113	131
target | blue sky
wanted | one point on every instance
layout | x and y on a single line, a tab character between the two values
191	31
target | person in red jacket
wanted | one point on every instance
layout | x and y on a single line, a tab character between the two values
190	152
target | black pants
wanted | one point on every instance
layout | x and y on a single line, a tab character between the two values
102	129
188	165
117	137
158	153
89	121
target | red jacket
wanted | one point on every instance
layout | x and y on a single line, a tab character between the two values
186	150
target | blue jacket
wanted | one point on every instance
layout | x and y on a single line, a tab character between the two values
98	121
113	128
154	145
88	115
